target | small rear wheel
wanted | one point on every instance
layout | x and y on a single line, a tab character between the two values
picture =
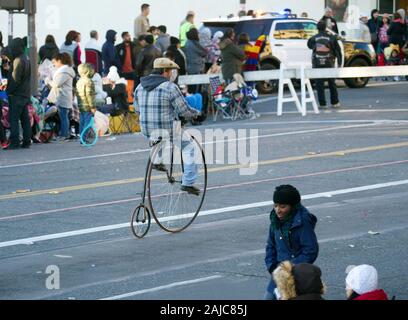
141	221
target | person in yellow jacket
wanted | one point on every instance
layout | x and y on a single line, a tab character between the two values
186	27
85	91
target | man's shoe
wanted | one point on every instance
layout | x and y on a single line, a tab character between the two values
191	190
336	106
324	107
26	146
160	167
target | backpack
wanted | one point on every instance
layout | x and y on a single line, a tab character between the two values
323	56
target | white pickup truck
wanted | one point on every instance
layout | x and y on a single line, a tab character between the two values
287	44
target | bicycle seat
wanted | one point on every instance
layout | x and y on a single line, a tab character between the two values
155	142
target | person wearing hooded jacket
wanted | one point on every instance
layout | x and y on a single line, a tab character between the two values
19	93
61	93
362	284
110	55
292	234
233	56
299	282
85	90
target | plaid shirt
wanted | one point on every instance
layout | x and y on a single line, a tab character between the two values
160	107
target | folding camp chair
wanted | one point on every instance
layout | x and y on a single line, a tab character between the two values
94	58
221	101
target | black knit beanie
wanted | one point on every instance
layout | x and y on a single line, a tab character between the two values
287	195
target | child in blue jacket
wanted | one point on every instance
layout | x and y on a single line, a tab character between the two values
292	234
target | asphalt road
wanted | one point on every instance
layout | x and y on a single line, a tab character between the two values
351	166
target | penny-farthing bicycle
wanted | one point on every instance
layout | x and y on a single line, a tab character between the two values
173	210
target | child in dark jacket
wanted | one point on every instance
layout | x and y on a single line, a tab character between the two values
292	234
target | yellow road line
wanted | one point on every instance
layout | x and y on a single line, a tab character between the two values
212	170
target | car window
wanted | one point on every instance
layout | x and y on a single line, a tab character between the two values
219	26
254	28
295	30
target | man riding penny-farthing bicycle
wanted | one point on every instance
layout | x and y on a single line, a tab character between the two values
176	175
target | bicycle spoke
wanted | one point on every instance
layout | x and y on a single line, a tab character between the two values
174	209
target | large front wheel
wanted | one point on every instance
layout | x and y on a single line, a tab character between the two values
172	170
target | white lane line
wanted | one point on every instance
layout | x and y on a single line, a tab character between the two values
343	111
74	159
206	143
169	286
386	84
328	194
296	133
371	110
244	254
265	100
123	201
369	122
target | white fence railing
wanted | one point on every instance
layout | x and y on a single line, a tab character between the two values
295	73
285	76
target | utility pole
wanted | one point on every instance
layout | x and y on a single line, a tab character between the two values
10	26
31	9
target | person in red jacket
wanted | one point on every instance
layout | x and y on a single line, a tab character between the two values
362	284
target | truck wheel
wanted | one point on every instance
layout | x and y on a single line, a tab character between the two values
357	82
268	87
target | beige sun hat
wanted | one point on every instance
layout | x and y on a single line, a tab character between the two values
164	63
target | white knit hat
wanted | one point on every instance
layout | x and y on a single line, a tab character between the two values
218	35
113	74
362	279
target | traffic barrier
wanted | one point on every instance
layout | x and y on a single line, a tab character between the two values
284	80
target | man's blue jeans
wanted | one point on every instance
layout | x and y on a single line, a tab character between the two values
190	167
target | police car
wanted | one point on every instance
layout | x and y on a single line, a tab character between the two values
287	44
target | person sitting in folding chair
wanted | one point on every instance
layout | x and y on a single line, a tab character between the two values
161	102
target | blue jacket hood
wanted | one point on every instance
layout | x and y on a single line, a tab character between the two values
110	35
